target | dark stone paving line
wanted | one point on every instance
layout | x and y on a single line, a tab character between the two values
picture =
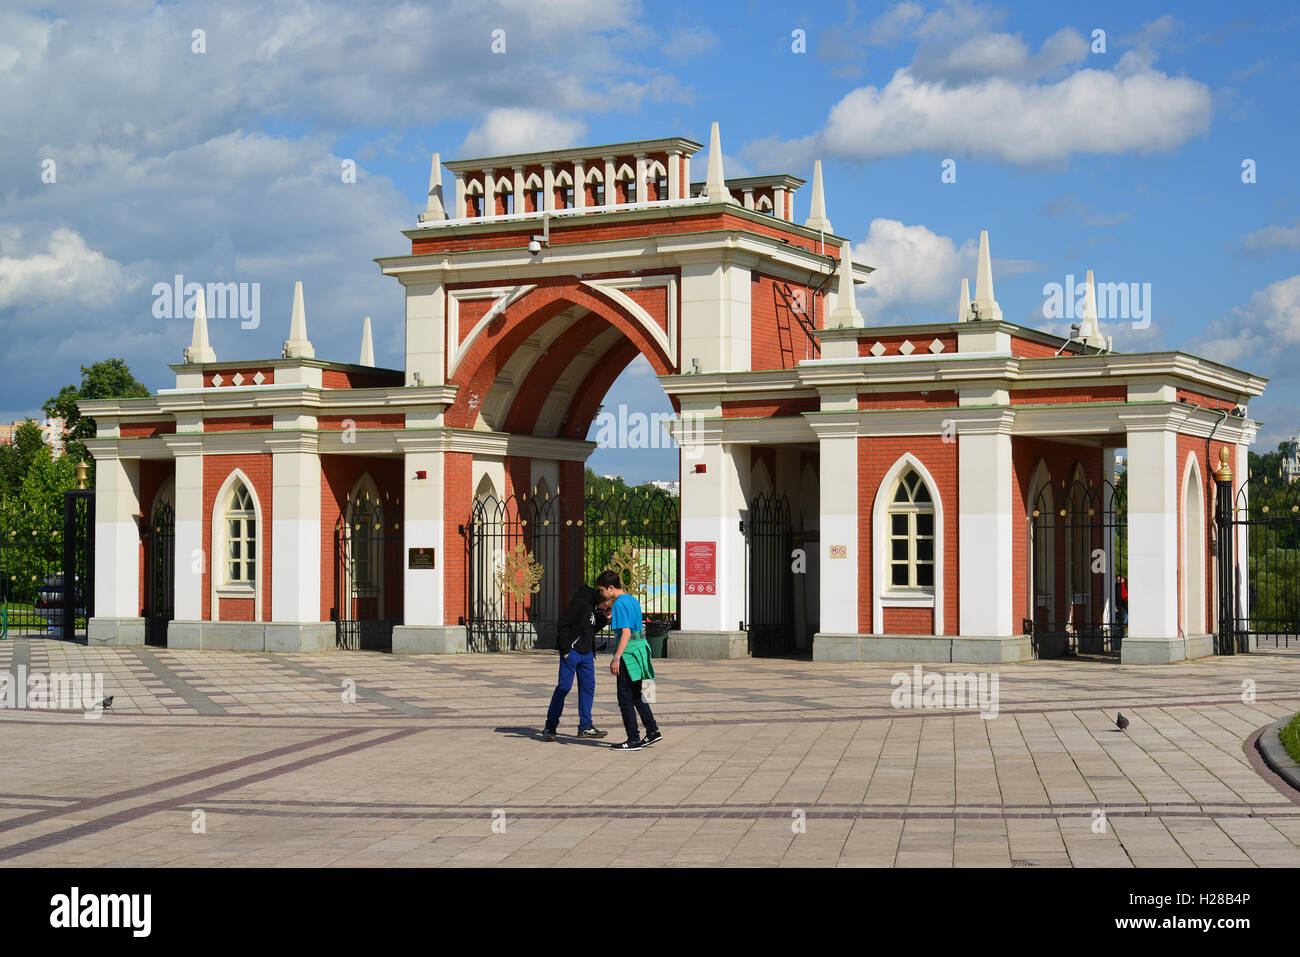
396	704
777	813
93	802
189	800
190	695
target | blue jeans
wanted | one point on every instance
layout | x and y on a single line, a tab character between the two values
585	668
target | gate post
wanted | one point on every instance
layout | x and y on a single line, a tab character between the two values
1226	640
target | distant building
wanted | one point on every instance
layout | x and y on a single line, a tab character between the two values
52	430
672	488
1291	458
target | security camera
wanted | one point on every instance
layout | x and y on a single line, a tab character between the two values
534	247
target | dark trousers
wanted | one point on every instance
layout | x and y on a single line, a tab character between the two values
584	666
631	704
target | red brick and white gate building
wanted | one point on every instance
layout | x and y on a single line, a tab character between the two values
916	454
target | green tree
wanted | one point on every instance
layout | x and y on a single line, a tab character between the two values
108	379
17	457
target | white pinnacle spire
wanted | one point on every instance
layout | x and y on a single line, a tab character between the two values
817	212
963	301
367	347
715	188
435	210
986	307
1089	327
200	350
846	306
298	346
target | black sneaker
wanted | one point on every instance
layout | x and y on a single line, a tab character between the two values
548	735
654	737
592	732
627	746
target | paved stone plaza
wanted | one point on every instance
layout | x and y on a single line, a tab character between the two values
412	773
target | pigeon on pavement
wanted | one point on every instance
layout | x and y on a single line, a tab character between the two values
1121	722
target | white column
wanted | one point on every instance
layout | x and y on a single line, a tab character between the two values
117	537
711	507
749	198
579	185
548	186
489	194
611	191
674	175
1152	533
519	189
426	333
778	203
423	528
295	529
641	192
192	556
984	529
460	197
838	513
715	318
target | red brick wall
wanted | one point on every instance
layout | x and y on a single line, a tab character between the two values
1206	401
146	430
654	301
920	342
512	234
334	423
240	424
1029	349
457	475
777	340
546	371
1187	446
154	474
339	475
907	400
228	373
909	621
876	456
1070	395
1061	460
339	379
216	469
768	408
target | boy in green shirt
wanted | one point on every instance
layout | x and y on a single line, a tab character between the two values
631	663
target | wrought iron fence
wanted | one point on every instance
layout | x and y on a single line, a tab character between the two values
769	538
47	569
160	593
1269	509
368	573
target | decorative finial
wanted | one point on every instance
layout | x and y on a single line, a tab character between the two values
367	346
435	210
986	306
200	349
1089	327
715	188
817	211
1224	472
298	346
846	306
81	470
963	302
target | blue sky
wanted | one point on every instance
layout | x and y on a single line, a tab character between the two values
225	165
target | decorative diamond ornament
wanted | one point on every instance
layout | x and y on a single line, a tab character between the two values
936	347
258	379
217	380
906	348
877	350
238	379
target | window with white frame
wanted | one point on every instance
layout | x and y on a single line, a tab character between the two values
910	527
241	537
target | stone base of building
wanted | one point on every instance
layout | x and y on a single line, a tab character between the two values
430	640
957	649
252	635
115	631
1163	651
707	644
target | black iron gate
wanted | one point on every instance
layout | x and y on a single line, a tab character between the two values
527	555
160	604
368	573
1078	564
47	570
769	542
1259	598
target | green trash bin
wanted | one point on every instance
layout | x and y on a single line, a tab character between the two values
656	633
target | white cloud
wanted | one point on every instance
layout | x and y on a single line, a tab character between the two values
64	271
510	130
916	271
1272	237
1264	333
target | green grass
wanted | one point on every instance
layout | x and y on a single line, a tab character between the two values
1290	735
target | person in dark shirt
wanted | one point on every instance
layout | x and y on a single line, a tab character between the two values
586	614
